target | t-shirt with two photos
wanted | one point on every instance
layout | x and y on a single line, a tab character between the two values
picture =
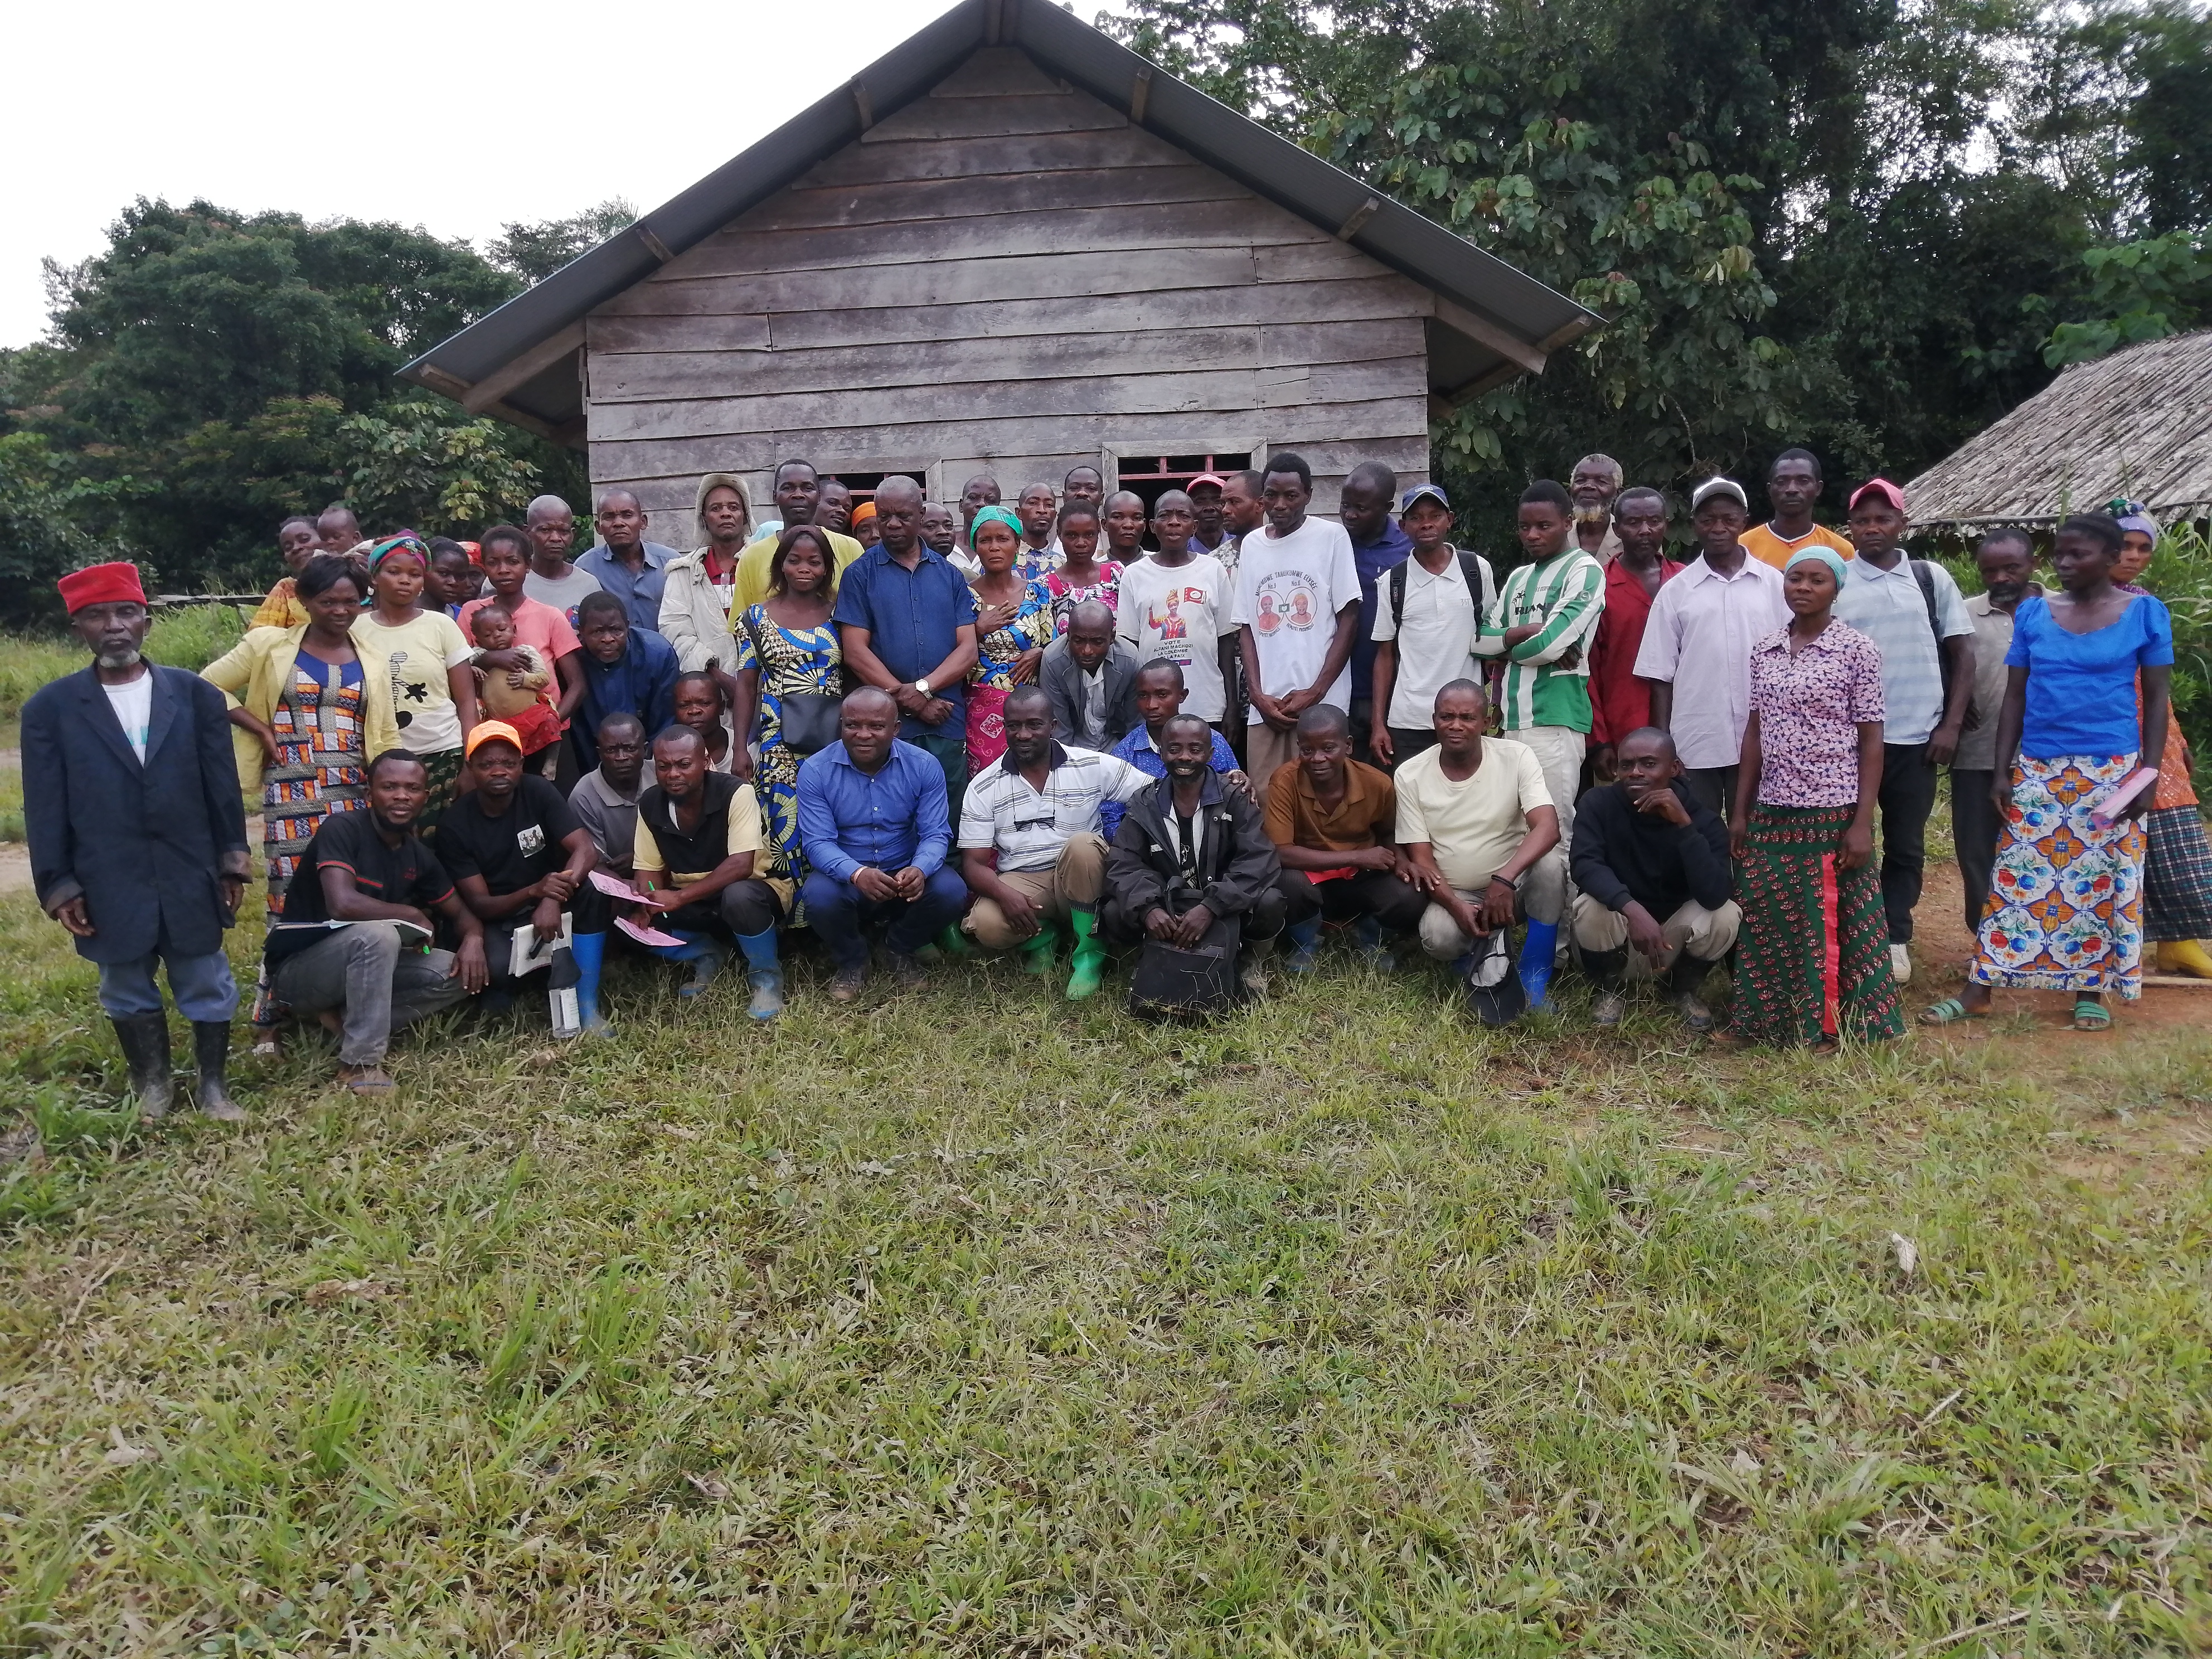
1289	590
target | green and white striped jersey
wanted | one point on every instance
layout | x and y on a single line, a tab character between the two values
1563	596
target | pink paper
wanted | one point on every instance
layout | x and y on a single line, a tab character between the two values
646	935
613	885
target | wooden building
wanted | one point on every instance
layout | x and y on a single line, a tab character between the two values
1011	245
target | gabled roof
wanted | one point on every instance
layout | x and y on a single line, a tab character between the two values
2136	424
517	361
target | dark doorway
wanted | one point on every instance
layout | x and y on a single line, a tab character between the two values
863	484
1151	476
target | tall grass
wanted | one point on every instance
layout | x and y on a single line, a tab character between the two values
191	638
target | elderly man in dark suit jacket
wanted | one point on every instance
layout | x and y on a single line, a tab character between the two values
1091	679
138	834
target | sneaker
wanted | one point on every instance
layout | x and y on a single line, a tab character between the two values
906	973
1694	1013
365	1079
1901	963
1610	1008
846	983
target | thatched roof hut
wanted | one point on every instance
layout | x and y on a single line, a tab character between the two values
2137	424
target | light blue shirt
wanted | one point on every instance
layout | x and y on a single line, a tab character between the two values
639	594
1889	607
887	819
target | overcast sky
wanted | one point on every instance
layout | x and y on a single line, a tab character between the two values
455	115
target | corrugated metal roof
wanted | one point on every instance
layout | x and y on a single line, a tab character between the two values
2136	424
1509	320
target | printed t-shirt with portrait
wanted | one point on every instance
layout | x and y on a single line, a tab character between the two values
416	654
1472	827
515	849
1180	613
1289	589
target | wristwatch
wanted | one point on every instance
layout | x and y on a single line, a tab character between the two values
923	686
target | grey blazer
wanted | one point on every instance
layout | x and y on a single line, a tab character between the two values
1061	676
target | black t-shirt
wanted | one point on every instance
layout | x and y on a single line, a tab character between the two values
522	844
409	873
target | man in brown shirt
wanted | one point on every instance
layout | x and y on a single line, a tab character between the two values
1332	819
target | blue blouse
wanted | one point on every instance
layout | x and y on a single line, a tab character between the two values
2081	687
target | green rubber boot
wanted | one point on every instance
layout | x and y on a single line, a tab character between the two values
1090	955
1038	953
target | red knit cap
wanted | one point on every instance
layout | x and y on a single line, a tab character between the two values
102	584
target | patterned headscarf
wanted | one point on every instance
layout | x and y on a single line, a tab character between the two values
2133	515
994	515
405	542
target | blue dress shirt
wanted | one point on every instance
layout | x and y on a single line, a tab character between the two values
889	819
913	618
640	595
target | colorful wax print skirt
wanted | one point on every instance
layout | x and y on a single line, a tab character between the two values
1812	962
2065	907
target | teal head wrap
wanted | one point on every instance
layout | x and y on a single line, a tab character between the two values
1825	555
1004	515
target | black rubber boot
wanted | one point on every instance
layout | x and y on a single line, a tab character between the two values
145	1040
211	1049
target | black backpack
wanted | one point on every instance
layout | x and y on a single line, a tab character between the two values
1470	569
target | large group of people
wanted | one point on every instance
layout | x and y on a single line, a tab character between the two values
916	730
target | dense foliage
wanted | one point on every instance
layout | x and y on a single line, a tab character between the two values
1871	226
210	372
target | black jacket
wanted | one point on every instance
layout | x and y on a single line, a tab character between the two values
145	842
1238	862
1620	853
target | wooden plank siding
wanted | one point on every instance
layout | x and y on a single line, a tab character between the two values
1003	277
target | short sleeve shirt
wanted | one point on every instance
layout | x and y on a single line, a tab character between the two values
1296	817
1475	825
1810	705
562	593
609	816
1180	613
1889	607
416	655
1289	589
519	846
409	873
1434	633
913	618
1776	551
1029	827
2081	687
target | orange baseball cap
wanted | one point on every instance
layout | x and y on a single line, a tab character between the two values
491	731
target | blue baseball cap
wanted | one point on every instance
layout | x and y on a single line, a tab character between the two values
1424	491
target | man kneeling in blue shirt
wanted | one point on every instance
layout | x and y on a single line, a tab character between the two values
872	821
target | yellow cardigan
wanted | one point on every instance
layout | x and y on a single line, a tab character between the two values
253	675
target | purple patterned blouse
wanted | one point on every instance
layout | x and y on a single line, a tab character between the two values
1810	706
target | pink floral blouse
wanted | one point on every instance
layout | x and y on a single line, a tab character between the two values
1066	595
1810	706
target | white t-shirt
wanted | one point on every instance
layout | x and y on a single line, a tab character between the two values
1181	612
1289	589
1435	636
134	708
1472	827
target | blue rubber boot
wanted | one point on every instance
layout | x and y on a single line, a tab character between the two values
1368	933
703	951
765	971
1305	946
1537	952
590	950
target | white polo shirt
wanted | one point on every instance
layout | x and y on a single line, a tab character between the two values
1435	636
1029	826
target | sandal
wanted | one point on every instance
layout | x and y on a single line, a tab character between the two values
1950	1012
2092	1016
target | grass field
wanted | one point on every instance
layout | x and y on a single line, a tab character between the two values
975	1324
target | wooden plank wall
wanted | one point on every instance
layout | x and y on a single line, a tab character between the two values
1005	276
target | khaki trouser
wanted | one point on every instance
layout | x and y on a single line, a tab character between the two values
1077	878
1541	898
1707	935
1266	749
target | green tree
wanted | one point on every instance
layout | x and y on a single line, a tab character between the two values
535	252
208	373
